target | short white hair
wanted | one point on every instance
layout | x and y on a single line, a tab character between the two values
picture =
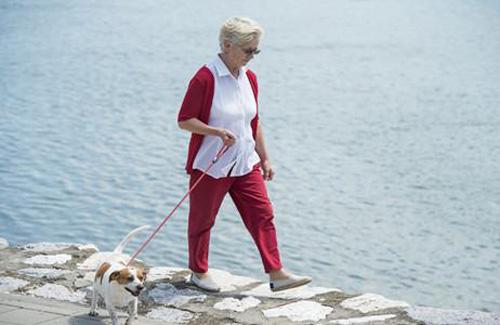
239	30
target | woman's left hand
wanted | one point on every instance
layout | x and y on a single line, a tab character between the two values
267	170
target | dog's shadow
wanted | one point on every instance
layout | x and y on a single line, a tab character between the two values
85	319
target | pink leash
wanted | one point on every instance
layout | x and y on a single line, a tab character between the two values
146	242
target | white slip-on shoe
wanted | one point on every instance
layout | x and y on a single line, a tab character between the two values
292	281
206	283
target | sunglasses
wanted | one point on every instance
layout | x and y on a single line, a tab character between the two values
250	51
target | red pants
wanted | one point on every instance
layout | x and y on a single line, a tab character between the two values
250	197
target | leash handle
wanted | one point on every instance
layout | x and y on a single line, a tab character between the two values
146	242
217	156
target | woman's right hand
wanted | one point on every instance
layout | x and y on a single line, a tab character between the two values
227	137
194	125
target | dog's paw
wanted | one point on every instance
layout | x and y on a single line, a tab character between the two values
93	314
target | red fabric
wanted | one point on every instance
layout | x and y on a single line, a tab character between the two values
198	103
249	194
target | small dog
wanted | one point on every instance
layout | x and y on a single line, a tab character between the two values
118	284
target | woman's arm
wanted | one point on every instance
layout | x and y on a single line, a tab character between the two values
194	125
260	148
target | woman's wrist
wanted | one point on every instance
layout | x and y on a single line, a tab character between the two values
216	131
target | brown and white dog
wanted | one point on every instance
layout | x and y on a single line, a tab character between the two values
117	284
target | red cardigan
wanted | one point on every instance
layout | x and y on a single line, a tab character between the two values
198	103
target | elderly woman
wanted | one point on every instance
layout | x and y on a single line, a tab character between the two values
220	108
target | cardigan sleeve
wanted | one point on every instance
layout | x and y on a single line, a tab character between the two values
193	100
197	103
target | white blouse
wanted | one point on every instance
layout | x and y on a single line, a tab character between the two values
233	108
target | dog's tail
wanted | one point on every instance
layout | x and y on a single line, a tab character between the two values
128	238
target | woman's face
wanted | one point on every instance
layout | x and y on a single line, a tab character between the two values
240	54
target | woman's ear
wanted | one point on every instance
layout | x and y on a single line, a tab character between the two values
226	46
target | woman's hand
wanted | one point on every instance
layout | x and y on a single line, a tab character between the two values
227	137
267	170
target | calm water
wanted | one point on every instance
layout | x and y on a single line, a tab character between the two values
381	117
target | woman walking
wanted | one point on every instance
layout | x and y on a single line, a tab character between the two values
220	108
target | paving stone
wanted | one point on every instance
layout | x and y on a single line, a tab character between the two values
4	309
363	320
27	317
42	305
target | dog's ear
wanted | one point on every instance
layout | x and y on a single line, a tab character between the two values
114	276
142	275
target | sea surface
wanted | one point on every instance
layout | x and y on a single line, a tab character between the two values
382	120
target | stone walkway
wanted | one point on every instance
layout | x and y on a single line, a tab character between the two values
50	283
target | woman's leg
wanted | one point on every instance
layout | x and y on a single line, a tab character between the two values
250	197
204	204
